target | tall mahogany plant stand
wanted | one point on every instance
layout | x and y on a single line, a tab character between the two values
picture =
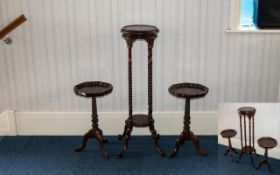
247	143
132	33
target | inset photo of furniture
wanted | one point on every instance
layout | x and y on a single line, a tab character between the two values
247	132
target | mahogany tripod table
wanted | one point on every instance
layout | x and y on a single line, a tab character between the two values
266	143
247	114
132	33
229	133
93	89
187	91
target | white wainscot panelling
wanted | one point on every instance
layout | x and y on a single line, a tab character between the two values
112	123
69	41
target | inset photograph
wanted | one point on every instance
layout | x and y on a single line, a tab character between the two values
249	135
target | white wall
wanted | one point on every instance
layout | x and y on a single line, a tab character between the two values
69	41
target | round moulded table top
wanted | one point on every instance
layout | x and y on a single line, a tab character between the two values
247	111
93	89
228	133
188	90
139	30
267	142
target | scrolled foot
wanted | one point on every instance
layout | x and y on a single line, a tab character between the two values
87	136
240	156
126	138
196	144
123	151
179	142
98	135
156	137
121	136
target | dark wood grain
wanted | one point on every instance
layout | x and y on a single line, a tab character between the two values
266	143
93	89
246	116
187	91
229	133
132	33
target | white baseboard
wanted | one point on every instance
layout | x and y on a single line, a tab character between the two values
273	153
8	123
112	123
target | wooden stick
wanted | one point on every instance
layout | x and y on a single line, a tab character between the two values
14	24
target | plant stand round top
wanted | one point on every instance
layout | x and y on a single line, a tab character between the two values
93	89
187	91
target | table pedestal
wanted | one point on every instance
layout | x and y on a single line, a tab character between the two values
95	132
93	89
187	134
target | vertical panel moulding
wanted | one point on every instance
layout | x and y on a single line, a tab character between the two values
163	53
252	67
243	67
52	58
180	47
265	59
122	47
274	69
214	34
158	57
18	58
63	68
237	68
259	65
181	37
273	53
171	59
30	62
70	18
9	58
204	9
83	45
40	60
115	60
156	76
107	18
220	53
69	105
101	30
5	101
115	54
188	41
232	68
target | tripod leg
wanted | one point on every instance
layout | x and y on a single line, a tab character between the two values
123	134
99	137
87	136
179	142
252	161
195	141
156	137
269	166
101	132
126	138
240	156
227	151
